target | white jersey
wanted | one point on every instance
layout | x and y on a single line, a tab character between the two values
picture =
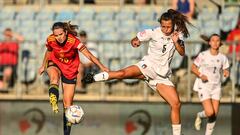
161	49
211	66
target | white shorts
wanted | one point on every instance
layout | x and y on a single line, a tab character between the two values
208	90
148	71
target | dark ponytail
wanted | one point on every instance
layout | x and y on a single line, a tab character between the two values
178	19
66	26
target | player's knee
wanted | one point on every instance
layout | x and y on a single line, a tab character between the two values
209	113
121	74
176	105
212	118
54	80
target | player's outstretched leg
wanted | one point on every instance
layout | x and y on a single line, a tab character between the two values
198	120
90	78
66	125
53	97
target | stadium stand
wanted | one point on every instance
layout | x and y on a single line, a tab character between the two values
111	27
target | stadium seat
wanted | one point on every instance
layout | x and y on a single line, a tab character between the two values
113	24
150	24
93	36
7	14
29	23
110	36
130	52
192	50
9	24
129	27
146	14
228	19
104	15
125	14
26	14
210	27
85	14
89	25
65	15
45	15
110	50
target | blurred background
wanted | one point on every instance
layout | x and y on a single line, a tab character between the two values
107	26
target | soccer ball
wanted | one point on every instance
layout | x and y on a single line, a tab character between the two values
74	114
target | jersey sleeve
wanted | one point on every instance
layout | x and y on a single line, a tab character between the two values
145	35
198	60
50	39
225	62
79	45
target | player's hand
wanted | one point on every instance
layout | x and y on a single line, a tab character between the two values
226	73
135	42
175	36
41	70
204	78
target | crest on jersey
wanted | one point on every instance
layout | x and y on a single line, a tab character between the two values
143	33
144	66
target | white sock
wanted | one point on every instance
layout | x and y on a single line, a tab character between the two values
176	129
103	76
210	128
202	114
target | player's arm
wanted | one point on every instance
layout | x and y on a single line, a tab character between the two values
195	71
179	44
92	58
192	7
44	63
174	4
142	36
226	65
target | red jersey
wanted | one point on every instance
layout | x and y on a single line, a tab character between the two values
234	36
65	56
9	53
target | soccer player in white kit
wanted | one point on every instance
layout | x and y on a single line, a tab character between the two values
209	67
155	66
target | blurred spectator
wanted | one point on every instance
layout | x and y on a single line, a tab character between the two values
234	35
138	2
85	1
9	58
186	7
86	65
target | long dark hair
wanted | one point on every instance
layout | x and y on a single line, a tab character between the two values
207	39
66	26
177	19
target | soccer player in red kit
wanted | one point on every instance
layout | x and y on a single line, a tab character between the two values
61	60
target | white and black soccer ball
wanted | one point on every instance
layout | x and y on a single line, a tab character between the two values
74	114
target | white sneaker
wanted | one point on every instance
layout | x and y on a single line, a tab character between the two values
198	122
103	76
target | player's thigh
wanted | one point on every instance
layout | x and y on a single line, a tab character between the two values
215	104
53	72
208	106
131	71
168	93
